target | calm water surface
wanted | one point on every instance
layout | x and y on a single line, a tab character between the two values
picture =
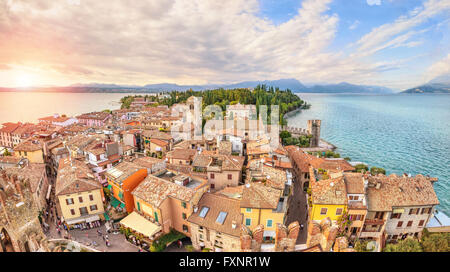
401	133
28	107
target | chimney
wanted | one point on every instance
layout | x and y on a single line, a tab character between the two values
233	224
378	186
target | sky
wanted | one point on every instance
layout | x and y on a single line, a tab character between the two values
393	43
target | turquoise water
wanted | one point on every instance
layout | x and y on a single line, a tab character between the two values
401	133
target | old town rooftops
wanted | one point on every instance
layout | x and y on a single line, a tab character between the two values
155	190
354	183
29	145
223	214
181	154
94	116
329	191
74	176
122	171
34	172
256	195
9	127
386	192
221	162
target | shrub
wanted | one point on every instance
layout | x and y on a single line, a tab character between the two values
189	248
407	245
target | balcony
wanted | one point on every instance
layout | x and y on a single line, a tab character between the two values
374	221
370	234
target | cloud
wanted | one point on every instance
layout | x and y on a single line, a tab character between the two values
354	25
191	42
399	31
442	67
373	2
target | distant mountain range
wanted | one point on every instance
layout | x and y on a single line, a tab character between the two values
292	84
440	84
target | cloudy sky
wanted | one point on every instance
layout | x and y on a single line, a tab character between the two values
394	43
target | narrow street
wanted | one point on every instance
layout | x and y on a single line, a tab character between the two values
297	211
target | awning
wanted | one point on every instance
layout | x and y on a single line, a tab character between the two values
109	187
139	224
106	215
398	211
269	233
87	219
48	192
122	205
92	219
114	202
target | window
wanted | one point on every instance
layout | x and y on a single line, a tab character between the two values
248	221
230	176
185	228
69	201
84	211
399	224
183	204
80	199
269	223
203	212
184	216
93	207
248	209
91	197
221	217
211	175
213	186
413	211
379	215
396	215
358	217
394	237
338	211
72	211
409	224
323	211
421	222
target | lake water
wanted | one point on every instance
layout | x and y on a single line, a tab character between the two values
400	133
28	107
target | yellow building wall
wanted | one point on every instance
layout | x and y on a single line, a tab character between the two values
267	214
147	208
33	157
331	211
253	215
260	216
65	209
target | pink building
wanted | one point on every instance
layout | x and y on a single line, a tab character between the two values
6	137
94	119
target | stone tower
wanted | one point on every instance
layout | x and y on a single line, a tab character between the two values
251	240
323	234
314	130
20	229
286	237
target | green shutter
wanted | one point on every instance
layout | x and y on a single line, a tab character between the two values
156	217
138	206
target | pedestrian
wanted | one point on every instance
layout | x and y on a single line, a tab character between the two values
106	237
301	227
99	232
103	236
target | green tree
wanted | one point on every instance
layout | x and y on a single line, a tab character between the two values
407	245
377	170
361	168
361	246
435	242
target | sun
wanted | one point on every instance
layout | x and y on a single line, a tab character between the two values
24	80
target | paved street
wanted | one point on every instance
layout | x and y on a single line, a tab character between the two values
297	212
87	237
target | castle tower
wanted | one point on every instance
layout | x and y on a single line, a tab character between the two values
314	130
